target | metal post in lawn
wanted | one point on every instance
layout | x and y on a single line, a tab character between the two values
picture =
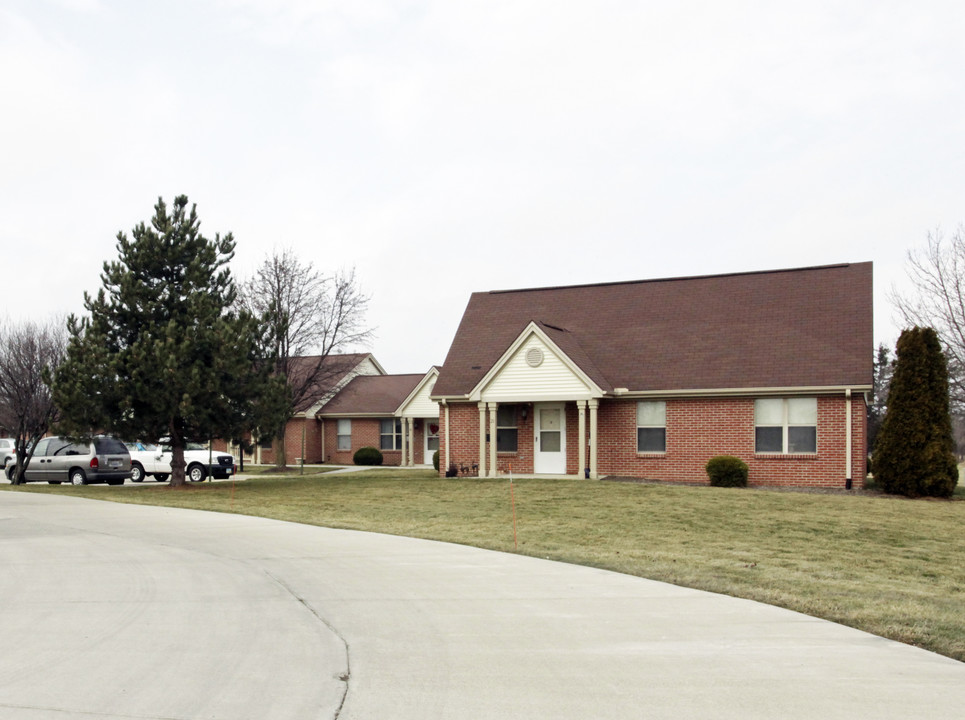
301	470
512	501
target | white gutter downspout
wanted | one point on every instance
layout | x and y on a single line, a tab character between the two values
445	408
847	439
321	421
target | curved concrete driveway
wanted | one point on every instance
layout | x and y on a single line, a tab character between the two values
120	611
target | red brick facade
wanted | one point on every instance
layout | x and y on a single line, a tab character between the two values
302	439
366	432
697	429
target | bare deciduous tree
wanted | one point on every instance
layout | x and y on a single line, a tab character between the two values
309	320
29	353
937	272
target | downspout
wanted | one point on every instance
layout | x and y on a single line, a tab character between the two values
847	439
445	408
321	435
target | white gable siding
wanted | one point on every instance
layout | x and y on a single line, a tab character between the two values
366	367
421	406
519	381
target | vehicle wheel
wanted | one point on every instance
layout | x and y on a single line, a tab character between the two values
53	482
77	477
9	472
137	472
196	473
160	477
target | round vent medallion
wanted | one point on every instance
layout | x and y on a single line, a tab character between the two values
534	357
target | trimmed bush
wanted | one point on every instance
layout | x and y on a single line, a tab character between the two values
727	471
435	460
367	456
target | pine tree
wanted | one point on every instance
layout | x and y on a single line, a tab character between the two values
914	452
879	394
162	353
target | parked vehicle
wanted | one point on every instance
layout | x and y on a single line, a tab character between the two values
57	460
8	450
148	459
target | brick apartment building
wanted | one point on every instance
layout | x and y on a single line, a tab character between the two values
651	379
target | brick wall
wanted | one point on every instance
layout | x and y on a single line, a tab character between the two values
697	430
293	442
366	432
463	439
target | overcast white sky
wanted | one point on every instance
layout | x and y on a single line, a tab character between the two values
446	146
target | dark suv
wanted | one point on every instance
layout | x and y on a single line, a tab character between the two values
57	460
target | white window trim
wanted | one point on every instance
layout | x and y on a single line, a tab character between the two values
514	426
785	425
396	434
663	426
339	434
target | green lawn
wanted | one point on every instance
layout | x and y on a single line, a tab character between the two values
890	566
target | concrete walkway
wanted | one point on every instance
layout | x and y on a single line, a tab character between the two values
121	611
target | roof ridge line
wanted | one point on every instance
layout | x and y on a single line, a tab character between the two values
611	283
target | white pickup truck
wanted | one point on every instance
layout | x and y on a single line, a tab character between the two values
148	459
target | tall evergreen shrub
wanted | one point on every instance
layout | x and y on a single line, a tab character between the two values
914	452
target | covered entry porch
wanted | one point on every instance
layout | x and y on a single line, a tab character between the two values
534	412
539	438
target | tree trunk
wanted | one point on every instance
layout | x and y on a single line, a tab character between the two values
177	462
281	451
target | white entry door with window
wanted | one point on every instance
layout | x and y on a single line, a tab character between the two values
432	439
550	441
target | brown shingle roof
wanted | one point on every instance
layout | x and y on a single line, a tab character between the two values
806	327
333	370
372	395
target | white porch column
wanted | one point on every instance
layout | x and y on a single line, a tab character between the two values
581	409
594	406
412	441
403	461
482	439
493	467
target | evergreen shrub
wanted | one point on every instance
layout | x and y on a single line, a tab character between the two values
727	471
367	456
435	460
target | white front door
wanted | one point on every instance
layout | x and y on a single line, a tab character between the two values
550	441
432	438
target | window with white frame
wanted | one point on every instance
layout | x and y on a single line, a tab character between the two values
344	434
652	426
507	431
786	425
390	434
